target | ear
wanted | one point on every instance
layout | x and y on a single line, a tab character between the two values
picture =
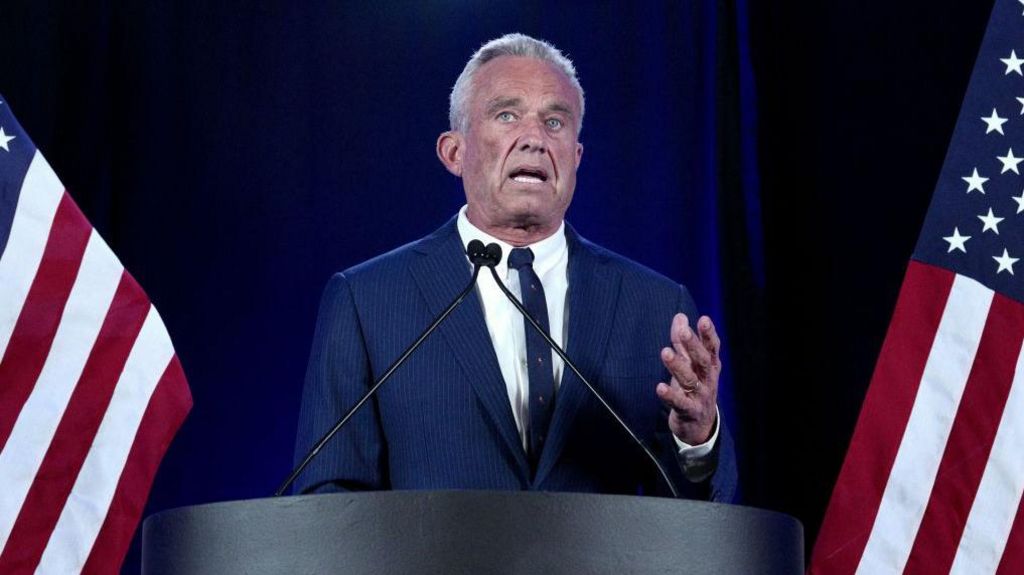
449	151
579	153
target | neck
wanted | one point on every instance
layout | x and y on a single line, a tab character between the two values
517	234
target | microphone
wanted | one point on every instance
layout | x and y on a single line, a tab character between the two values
493	252
479	256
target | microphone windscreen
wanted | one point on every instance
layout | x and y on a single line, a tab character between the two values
478	254
493	254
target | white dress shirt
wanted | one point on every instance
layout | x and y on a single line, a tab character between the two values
506	327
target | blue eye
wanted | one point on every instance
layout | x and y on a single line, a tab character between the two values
506	117
554	123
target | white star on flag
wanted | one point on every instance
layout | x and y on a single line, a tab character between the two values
1019	199
4	138
1021	100
975	182
1005	262
1010	162
994	123
991	222
956	241
1013	63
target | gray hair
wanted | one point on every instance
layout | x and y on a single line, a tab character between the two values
508	45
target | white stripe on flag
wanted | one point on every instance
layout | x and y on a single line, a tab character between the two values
931	419
37	422
40	195
87	505
995	505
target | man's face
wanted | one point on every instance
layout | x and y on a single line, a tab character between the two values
519	155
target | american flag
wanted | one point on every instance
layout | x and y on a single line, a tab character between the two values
933	477
91	391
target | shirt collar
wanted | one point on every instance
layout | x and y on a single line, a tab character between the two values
546	253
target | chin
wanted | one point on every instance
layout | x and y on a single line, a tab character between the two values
536	218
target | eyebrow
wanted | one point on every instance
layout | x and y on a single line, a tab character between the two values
561	107
500	103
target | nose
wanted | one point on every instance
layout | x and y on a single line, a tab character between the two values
532	138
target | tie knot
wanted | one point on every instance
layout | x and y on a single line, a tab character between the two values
520	257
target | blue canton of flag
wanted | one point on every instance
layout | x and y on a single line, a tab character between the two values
16	157
975	226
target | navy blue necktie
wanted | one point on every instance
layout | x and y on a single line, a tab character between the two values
538	354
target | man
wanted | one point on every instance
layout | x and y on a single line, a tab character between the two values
484	404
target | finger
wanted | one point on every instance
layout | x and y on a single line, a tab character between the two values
676	399
684	406
680	365
671	356
709	335
684	341
695	349
676	329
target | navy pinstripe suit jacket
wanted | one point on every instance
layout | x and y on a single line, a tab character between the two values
444	421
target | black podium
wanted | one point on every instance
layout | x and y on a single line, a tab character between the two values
470	532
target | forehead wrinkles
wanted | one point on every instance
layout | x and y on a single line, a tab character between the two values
513	83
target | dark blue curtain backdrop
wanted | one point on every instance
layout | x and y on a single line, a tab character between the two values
235	154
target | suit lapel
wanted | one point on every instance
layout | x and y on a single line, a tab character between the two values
593	293
441	274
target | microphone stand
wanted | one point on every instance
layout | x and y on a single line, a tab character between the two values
480	257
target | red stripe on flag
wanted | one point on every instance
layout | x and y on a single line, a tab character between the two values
167	408
40	315
970	440
77	428
1012	561
883	420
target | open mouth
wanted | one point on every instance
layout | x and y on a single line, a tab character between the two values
529	175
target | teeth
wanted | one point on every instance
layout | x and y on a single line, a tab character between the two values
527	179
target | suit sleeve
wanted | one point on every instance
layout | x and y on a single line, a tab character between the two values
337	376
